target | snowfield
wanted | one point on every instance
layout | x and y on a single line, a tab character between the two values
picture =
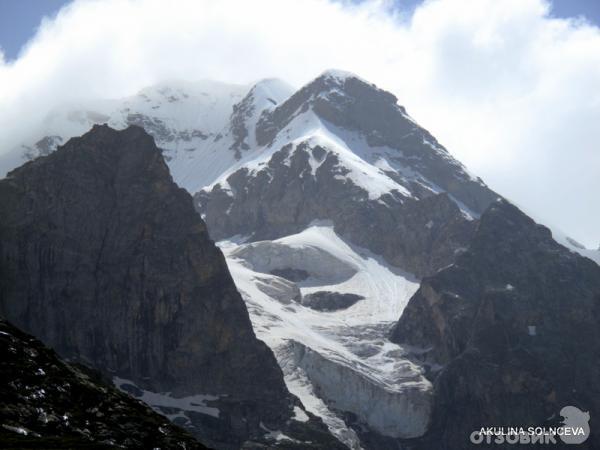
175	408
343	354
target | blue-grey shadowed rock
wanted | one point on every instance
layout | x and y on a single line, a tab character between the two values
509	332
104	259
330	301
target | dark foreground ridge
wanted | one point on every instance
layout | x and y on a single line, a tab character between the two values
47	403
513	324
104	259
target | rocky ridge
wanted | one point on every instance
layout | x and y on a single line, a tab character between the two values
508	333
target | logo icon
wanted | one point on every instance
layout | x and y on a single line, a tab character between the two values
574	429
575	419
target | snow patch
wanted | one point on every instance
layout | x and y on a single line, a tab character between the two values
277	435
300	415
196	403
574	246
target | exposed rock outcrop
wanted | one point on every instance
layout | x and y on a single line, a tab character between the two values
330	301
103	258
47	403
514	326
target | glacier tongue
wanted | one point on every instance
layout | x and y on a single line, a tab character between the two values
400	411
338	361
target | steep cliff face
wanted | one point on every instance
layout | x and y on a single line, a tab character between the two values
513	325
103	257
418	235
47	403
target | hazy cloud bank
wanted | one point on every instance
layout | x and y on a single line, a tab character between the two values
510	91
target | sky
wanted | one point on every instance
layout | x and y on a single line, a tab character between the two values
19	19
510	87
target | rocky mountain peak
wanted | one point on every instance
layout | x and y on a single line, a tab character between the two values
263	96
103	143
352	109
330	96
343	150
344	82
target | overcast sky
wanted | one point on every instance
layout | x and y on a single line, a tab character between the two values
511	89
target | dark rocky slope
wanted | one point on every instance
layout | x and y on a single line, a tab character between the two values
514	324
47	403
104	259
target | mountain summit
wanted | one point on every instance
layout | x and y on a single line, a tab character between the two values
341	149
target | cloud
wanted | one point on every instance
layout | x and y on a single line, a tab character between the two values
509	90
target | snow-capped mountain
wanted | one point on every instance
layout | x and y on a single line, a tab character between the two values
199	126
331	204
329	220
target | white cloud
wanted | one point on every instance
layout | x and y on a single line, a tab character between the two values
512	92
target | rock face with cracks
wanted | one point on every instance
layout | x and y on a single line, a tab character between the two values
104	259
510	331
